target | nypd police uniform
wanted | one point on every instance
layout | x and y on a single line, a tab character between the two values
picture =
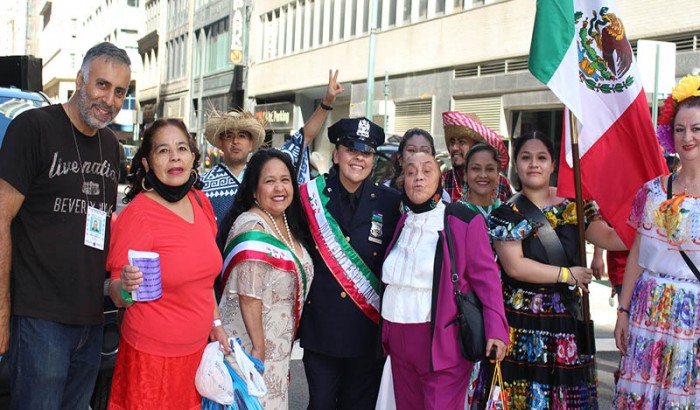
340	342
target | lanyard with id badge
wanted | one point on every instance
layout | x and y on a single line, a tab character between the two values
95	219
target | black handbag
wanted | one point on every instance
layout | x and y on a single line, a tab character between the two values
585	332
470	319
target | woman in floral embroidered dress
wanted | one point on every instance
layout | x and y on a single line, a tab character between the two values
658	322
262	297
544	367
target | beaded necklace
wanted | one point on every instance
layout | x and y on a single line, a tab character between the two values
290	242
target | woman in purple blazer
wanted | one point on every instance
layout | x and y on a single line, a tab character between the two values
418	302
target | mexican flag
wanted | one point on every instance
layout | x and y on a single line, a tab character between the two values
580	51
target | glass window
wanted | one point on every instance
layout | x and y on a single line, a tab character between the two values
392	13
353	19
440	7
217	46
423	9
407	11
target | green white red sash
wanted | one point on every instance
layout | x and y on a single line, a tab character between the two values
262	247
342	260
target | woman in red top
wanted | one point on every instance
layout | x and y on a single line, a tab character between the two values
162	340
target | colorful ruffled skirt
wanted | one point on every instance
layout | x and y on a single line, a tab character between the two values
660	369
543	368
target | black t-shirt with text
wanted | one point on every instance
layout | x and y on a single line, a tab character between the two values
60	172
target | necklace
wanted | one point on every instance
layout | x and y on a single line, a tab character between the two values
457	185
290	243
686	187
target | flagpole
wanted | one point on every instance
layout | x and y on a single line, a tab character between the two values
585	305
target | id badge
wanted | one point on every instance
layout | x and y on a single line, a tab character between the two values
95	228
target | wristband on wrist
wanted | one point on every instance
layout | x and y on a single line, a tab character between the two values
564	274
621	310
216	323
326	107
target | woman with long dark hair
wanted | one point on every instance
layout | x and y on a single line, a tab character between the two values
413	141
267	270
536	238
162	340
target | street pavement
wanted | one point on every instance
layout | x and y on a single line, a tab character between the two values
602	314
607	357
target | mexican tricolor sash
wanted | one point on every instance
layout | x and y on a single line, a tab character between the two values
262	247
342	260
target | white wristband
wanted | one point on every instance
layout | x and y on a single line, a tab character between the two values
216	322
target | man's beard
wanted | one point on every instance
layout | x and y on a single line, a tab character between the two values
84	105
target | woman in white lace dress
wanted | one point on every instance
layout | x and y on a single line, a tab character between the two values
267	271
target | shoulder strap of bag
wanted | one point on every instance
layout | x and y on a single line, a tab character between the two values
686	258
450	247
549	239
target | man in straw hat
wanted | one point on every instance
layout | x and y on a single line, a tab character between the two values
461	132
240	133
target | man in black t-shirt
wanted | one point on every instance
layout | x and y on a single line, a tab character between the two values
59	169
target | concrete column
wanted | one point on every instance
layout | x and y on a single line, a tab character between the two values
399	12
282	33
306	39
386	7
337	15
298	18
359	22
415	10
289	30
318	24
348	18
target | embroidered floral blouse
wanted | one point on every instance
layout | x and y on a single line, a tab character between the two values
508	223
666	227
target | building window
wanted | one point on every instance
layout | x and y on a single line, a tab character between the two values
413	114
353	19
392	13
342	20
218	44
367	17
423	9
440	7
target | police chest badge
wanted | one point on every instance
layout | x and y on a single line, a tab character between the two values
375	229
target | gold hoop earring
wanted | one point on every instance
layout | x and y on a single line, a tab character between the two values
143	185
196	174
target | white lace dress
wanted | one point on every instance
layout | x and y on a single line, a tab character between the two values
277	290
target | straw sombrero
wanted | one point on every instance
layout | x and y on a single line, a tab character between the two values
219	123
458	124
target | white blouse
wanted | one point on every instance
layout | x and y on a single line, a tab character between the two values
408	269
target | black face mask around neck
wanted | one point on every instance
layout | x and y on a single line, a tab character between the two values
428	205
170	193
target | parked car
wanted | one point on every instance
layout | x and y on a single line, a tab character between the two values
14	101
126	155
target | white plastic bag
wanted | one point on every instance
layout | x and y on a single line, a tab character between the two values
386	400
213	380
253	379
